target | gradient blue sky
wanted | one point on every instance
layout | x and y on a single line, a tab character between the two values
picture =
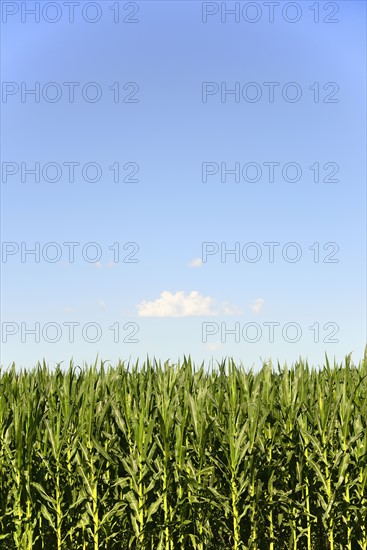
170	211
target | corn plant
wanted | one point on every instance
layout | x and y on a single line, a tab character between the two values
177	456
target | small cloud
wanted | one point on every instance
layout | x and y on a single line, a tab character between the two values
102	304
184	305
196	262
257	306
177	305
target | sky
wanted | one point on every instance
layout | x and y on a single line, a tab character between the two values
191	179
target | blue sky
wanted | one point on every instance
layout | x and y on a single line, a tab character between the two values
169	296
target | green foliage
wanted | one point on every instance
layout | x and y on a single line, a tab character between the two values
170	457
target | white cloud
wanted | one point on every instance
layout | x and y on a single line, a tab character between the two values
184	305
102	304
257	305
196	262
177	305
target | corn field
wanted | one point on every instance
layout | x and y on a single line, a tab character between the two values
176	457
